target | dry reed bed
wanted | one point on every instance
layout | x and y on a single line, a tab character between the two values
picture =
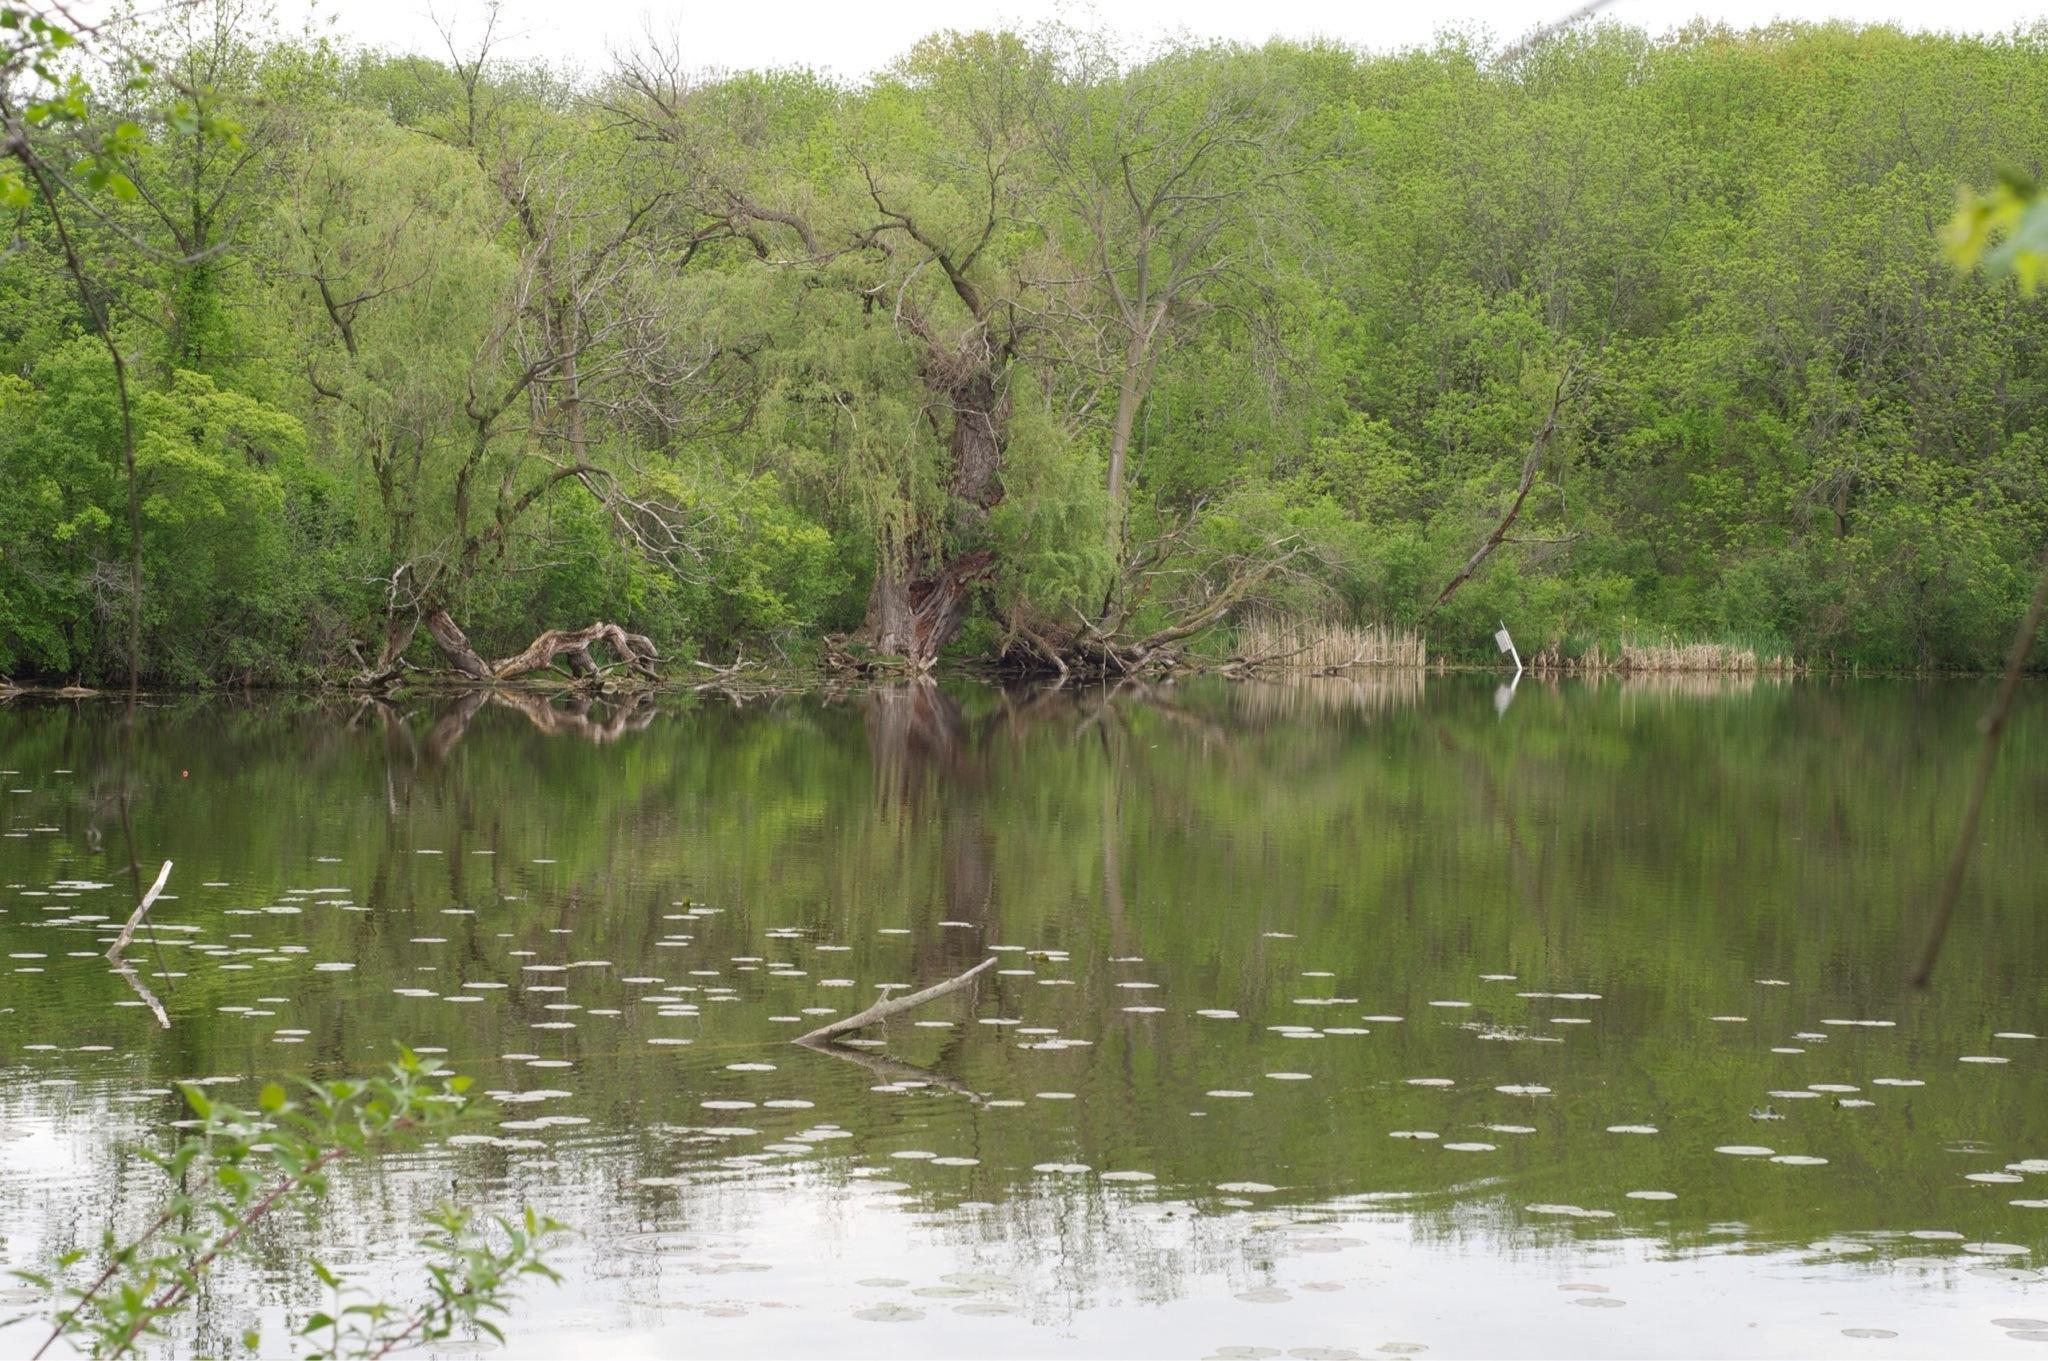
1729	659
1320	645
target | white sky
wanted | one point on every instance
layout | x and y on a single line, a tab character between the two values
853	37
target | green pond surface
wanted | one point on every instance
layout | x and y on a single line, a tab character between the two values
1333	1018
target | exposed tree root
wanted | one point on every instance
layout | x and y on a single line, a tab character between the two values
1178	592
566	649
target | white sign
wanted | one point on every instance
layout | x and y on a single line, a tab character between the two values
1502	640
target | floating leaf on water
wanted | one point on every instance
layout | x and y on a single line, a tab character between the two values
1995	1249
1413	1134
1290	1077
977	1280
1983	1058
1471	1148
1799	1160
1382	1020
2029	1204
1427	1081
1523	1089
1868	1332
1245	1188
1631	1129
1510	1129
1652	1195
1995	1178
1567	1211
956	1162
1896	1082
2022	1325
658	1244
913	1154
1600	1302
1265	1294
1065	1169
1217	1014
1225	1092
988	1308
2015	1035
726	1105
1128	1176
1745	1150
1731	1020
889	1313
1054	1096
1839	1247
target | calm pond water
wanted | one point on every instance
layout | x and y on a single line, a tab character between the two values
1330	1018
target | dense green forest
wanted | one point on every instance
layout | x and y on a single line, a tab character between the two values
1027	349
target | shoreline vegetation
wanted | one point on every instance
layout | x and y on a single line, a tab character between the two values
1264	648
1033	354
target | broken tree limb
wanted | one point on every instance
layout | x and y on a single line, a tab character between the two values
892	1006
636	650
1531	465
141	908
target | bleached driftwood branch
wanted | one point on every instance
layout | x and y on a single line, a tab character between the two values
893	1006
141	908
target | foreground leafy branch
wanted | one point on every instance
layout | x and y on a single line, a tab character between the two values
239	1166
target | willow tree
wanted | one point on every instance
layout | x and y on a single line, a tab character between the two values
456	294
919	227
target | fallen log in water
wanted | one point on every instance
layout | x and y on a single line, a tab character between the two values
892	1006
135	918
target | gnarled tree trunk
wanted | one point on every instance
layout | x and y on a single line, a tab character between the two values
917	606
634	649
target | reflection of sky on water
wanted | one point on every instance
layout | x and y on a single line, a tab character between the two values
1564	902
783	1261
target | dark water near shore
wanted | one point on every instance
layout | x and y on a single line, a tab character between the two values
1330	1017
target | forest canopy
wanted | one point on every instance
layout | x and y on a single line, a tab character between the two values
1029	349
